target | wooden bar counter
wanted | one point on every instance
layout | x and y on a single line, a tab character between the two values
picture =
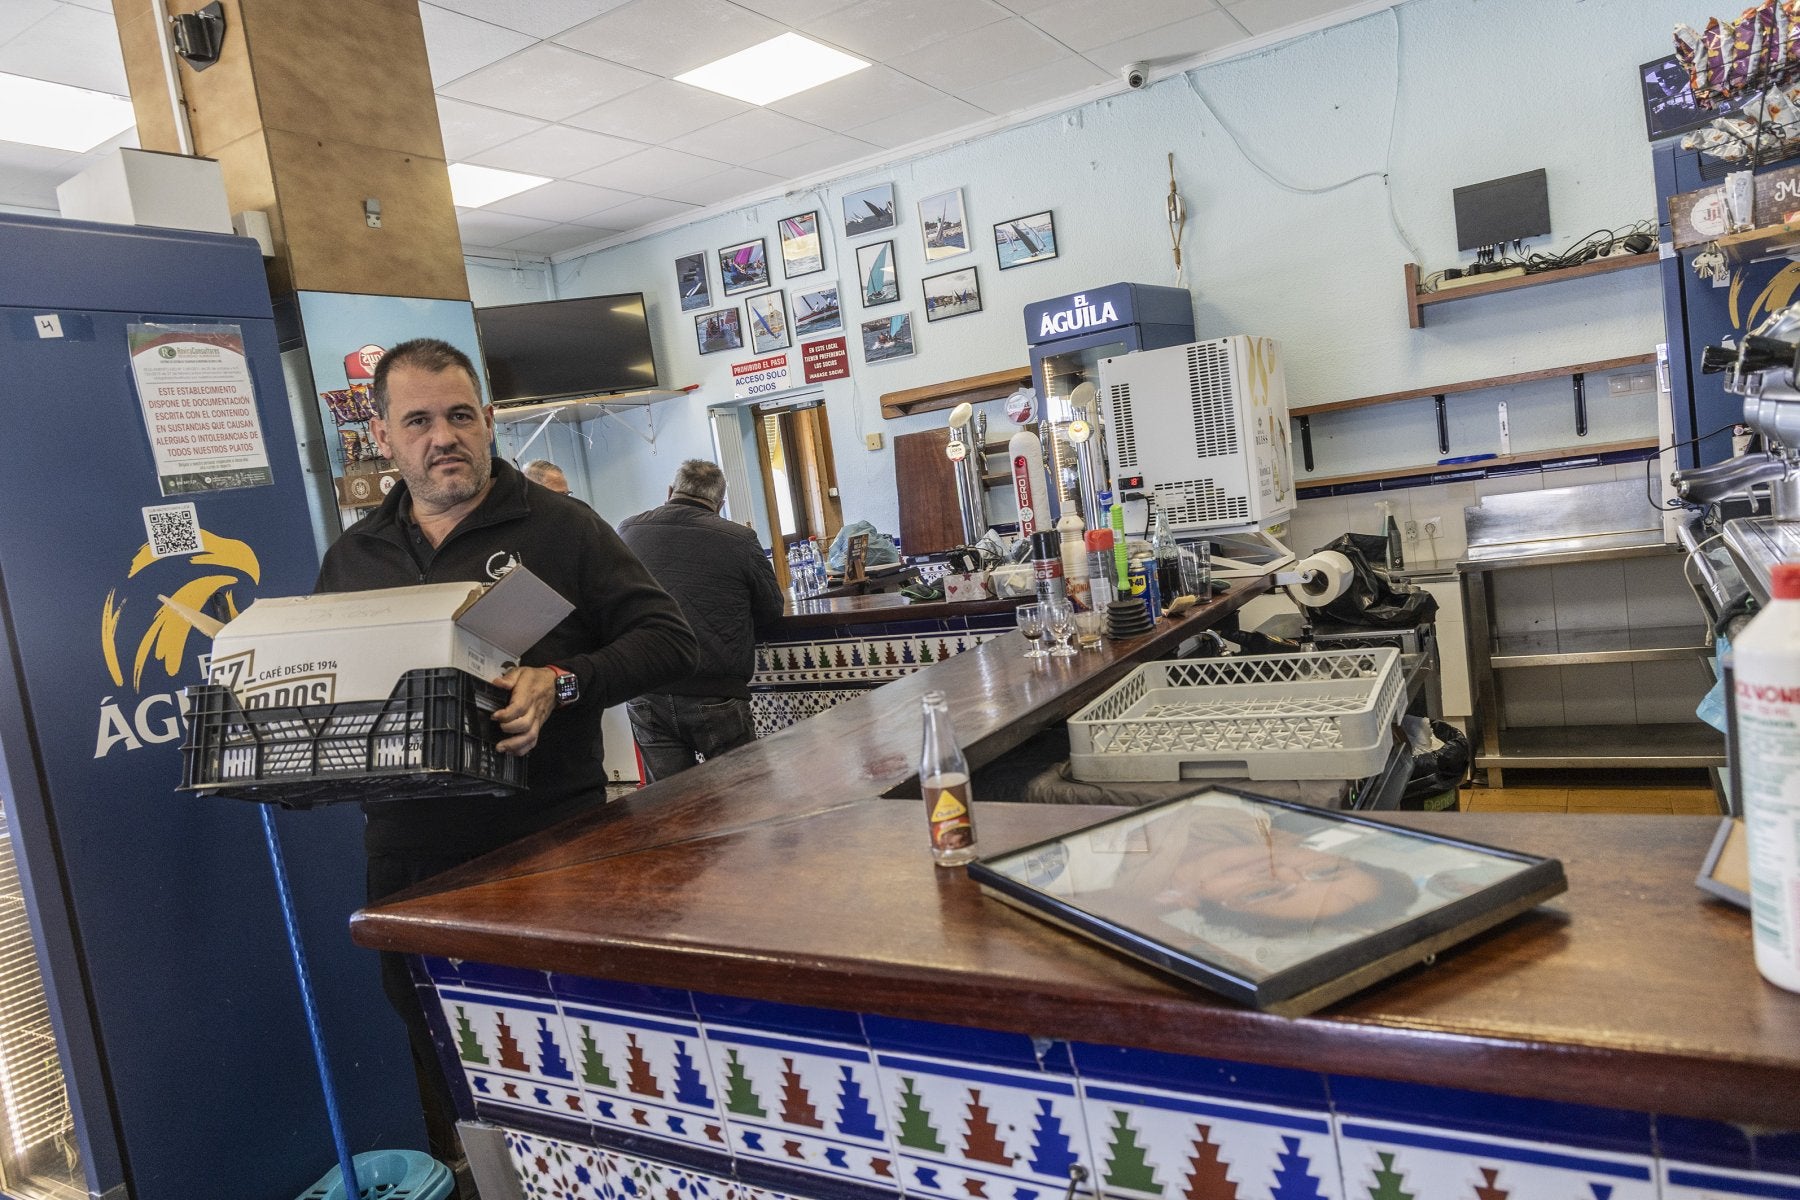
780	874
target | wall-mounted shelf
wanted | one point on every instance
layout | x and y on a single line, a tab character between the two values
1476	385
585	408
1417	301
1306	483
975	389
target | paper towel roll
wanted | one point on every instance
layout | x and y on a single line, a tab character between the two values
1325	577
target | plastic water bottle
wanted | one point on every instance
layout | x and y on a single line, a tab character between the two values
1767	685
820	571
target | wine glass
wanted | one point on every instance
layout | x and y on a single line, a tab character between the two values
1059	619
1031	628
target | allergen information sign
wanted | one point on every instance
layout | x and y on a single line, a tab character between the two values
759	377
827	359
193	383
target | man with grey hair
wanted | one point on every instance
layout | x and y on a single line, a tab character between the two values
543	471
718	574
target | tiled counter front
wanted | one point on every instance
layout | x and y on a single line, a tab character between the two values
803	676
619	1092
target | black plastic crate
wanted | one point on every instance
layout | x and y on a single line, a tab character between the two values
433	736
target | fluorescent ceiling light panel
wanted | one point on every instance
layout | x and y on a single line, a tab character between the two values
476	187
773	70
59	116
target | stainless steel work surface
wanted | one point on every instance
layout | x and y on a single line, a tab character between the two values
1756	545
1541	528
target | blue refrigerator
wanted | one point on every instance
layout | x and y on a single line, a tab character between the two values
154	912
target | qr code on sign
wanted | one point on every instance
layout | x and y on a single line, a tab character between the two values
173	529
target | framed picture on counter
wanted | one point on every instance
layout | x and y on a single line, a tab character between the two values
768	322
1025	240
719	330
800	253
869	211
744	267
817	311
690	281
1280	906
875	268
952	294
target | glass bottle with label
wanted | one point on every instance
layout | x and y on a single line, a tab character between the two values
944	779
1168	558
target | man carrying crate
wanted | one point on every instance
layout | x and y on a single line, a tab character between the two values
460	515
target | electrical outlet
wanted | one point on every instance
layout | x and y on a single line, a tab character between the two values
1411	529
1432	525
1636	381
872	441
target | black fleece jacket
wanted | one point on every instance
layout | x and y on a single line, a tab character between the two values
716	571
625	637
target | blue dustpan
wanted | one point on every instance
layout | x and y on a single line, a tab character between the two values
389	1175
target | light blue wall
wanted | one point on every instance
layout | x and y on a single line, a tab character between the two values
491	284
1486	88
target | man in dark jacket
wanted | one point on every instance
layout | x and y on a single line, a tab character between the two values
727	591
460	515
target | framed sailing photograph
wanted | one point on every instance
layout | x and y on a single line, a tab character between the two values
768	322
800	253
869	211
1025	240
1280	906
817	311
744	267
690	281
719	330
952	294
887	337
875	268
943	225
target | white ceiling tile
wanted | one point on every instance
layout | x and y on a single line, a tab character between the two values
471	128
601	223
817	157
552	240
795	14
560	200
857	99
648	170
1271	16
540	18
655	114
1066	76
556	151
634	213
879	30
456	44
1171	43
480	227
668	37
1026	7
727	184
72	45
911	125
1082	25
547	81
21	15
969	61
748	136
17	156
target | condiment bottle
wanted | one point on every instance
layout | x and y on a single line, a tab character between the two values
1046	566
1073	551
944	779
1102	590
1767	721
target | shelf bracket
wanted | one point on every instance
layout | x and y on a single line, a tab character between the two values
1581	421
1306	454
1443	423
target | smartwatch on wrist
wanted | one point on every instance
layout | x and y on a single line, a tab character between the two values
568	688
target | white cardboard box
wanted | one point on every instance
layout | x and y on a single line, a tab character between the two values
348	646
966	585
148	187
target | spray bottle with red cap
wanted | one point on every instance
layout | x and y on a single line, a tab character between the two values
1766	659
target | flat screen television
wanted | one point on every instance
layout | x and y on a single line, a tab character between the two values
557	349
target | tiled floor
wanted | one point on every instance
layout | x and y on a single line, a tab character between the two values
1596	792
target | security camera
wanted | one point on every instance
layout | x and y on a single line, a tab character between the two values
1137	76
